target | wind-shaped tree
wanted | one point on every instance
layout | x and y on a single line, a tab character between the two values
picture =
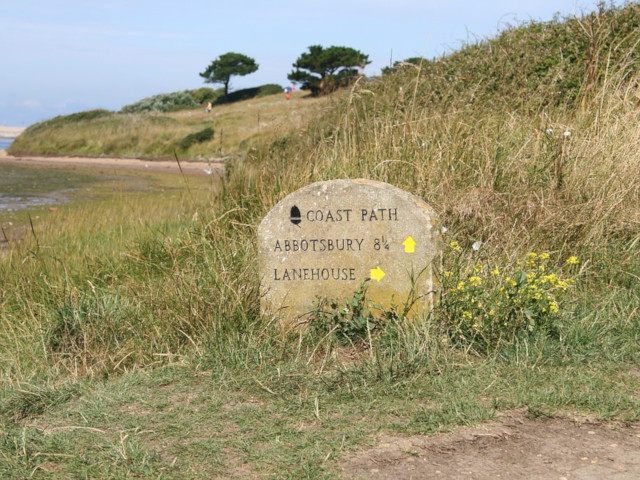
323	70
231	63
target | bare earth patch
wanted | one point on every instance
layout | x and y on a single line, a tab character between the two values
513	447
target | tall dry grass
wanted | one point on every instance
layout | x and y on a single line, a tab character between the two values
563	180
532	174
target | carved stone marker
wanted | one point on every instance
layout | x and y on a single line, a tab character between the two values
327	238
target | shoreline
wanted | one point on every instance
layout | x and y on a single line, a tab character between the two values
10	132
167	166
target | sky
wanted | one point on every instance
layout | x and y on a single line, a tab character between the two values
65	56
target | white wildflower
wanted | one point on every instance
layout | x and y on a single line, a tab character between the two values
476	246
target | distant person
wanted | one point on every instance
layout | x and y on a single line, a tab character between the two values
288	95
208	109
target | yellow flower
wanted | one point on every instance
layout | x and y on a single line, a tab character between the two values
511	282
461	286
447	274
541	268
475	281
492	312
466	315
455	245
572	260
495	272
531	259
477	268
544	256
554	307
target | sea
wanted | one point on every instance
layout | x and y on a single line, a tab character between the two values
5	142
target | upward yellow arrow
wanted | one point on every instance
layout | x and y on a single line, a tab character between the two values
409	244
377	273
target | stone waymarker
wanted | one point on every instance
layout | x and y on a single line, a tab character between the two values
329	237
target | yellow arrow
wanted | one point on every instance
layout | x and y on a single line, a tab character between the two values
377	274
409	244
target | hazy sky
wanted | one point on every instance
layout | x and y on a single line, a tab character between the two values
63	56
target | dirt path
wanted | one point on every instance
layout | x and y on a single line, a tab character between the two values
169	166
514	447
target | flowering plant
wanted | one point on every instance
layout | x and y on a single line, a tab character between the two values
485	306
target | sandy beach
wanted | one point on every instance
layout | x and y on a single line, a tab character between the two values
169	166
10	132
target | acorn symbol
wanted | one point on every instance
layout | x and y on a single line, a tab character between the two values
295	216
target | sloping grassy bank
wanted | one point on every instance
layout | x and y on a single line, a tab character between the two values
228	130
542	314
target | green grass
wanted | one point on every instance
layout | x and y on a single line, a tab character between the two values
249	117
16	180
280	418
83	271
132	341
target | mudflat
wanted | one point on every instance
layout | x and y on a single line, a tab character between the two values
168	166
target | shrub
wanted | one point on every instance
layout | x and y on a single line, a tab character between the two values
205	94
247	93
164	102
198	137
269	89
484	306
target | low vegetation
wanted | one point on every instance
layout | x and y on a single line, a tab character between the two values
249	93
171	102
143	130
198	137
537	182
185	100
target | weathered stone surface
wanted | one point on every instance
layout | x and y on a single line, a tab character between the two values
327	238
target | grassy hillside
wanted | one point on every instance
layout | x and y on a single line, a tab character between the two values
150	358
518	171
562	62
231	127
